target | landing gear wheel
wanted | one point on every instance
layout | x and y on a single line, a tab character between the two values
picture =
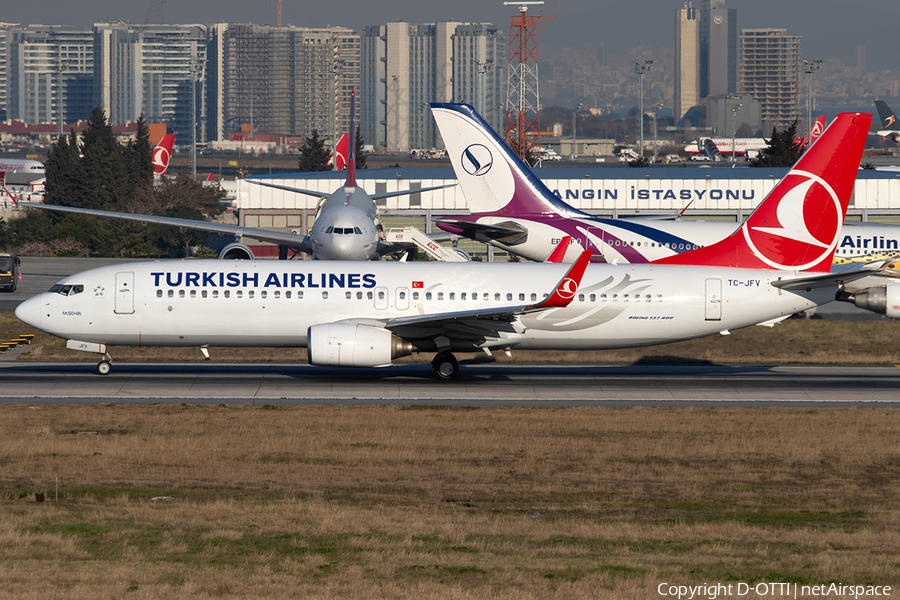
445	366
104	367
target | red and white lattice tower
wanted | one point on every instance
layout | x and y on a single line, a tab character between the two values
522	128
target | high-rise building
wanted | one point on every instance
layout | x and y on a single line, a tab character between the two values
149	70
687	60
51	73
406	66
705	53
479	58
720	76
770	62
5	35
281	80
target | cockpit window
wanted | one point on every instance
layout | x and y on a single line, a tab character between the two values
329	230
357	231
67	290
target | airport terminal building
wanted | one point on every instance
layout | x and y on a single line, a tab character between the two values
707	193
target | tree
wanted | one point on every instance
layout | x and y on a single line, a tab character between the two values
139	157
64	179
358	150
782	150
103	165
174	237
314	156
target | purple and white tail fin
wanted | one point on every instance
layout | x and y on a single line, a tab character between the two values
494	180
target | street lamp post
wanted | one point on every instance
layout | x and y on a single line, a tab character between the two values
656	109
640	68
575	110
734	109
810	67
63	66
196	68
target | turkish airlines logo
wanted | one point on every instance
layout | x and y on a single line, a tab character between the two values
160	159
805	224
477	160
567	288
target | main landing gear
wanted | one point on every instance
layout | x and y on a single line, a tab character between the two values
445	366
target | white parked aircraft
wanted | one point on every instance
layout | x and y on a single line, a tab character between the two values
18	165
366	314
346	227
513	210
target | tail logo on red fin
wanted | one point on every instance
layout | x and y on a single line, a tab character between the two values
567	288
817	129
796	229
160	159
477	160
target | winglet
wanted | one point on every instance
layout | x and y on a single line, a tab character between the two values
565	290
559	253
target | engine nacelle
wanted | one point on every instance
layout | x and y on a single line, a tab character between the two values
236	251
351	345
884	300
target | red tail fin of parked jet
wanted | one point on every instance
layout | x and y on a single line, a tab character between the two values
162	153
797	226
341	153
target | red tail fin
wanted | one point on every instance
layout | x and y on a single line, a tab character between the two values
797	226
208	179
340	155
162	153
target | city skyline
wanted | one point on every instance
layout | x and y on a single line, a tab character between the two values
829	28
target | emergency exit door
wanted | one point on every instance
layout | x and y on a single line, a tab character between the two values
124	293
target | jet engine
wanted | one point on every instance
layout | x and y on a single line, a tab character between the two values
351	345
236	251
884	300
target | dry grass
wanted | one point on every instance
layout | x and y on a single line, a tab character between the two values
813	341
441	503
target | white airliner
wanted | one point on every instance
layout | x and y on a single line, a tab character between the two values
890	126
347	225
750	147
17	165
365	314
513	210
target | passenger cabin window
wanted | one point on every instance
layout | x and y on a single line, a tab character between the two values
250	293
428	295
215	293
287	295
239	293
440	295
262	294
171	294
324	295
226	294
159	293
181	293
193	293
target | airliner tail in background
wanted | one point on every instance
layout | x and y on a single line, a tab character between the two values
798	225
162	154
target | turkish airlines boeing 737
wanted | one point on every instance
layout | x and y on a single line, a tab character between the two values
365	314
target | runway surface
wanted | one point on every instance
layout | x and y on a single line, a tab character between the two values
478	385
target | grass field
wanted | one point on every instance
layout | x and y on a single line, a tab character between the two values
312	502
804	341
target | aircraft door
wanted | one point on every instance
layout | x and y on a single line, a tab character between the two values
381	298
713	299
402	299
124	293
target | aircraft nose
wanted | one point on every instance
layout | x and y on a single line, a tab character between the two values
29	312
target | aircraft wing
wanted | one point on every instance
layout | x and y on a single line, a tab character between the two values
293	240
508	232
827	279
489	322
324	194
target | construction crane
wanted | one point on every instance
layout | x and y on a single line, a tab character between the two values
279	14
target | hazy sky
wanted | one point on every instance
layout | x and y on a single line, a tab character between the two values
830	28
